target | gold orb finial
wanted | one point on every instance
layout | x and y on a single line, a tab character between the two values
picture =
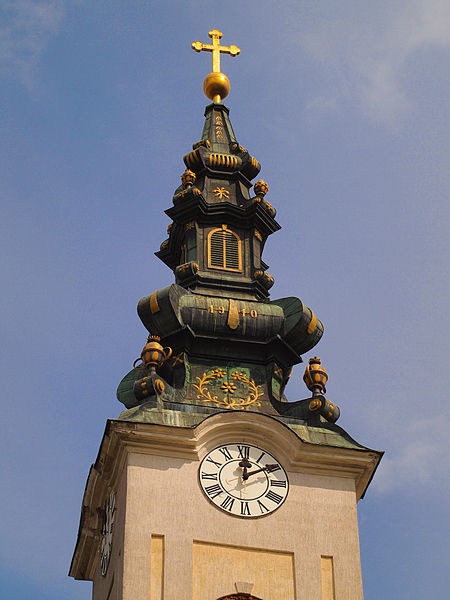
315	376
216	85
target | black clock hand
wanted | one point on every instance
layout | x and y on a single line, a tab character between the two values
245	464
268	468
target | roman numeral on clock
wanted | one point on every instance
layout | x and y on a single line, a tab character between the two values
259	459
275	483
211	476
209	459
262	507
213	490
227	504
226	453
274	497
244	451
245	509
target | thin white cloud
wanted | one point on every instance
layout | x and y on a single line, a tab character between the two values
364	53
419	458
26	26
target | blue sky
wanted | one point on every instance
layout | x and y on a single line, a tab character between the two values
345	105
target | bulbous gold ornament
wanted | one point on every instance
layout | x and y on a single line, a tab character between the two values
216	86
153	355
261	188
315	376
188	178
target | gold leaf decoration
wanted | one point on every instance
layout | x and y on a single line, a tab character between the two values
253	391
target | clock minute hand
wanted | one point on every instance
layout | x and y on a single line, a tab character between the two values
266	468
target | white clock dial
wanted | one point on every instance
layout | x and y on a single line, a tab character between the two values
243	480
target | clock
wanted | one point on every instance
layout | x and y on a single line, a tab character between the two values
243	480
107	531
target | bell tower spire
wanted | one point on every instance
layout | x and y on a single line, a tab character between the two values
209	464
219	223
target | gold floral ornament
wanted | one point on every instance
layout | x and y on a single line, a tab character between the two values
221	192
232	399
240	376
228	387
219	373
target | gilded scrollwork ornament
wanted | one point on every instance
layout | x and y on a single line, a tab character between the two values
240	392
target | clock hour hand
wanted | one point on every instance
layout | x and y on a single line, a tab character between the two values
245	464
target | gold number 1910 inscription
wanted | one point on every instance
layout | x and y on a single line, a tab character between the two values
244	312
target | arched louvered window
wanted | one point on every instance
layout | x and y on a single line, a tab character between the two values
224	250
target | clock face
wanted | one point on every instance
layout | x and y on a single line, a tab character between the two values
107	530
243	480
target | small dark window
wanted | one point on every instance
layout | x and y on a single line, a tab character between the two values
224	250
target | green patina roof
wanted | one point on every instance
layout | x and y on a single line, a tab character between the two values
190	415
227	347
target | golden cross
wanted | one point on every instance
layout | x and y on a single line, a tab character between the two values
216	49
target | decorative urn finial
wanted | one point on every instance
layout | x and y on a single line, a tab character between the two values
188	179
315	376
153	355
261	188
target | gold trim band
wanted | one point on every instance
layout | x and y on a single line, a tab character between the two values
154	306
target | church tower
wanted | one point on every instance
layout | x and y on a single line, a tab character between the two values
211	485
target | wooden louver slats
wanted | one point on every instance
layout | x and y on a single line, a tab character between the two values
224	250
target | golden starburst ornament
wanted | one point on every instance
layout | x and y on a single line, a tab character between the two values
221	192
